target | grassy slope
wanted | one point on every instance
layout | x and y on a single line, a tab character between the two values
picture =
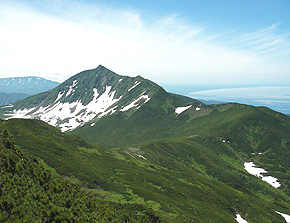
196	179
249	129
32	193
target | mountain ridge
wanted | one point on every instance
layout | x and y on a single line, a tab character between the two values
87	95
27	85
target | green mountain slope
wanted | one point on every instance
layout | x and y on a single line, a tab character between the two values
32	193
185	179
150	122
92	95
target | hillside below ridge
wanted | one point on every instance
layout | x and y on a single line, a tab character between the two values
183	179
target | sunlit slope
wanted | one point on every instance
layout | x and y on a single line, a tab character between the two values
185	179
31	192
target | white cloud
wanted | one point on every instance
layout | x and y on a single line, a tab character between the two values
267	42
76	37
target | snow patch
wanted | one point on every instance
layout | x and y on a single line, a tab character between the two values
68	116
239	219
93	124
250	167
140	156
107	112
74	83
197	108
71	88
24	113
285	216
8	106
60	94
271	180
135	102
135	85
179	110
120	79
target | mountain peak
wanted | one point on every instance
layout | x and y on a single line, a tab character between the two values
105	71
86	96
100	71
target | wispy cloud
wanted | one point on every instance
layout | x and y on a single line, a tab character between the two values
73	37
267	42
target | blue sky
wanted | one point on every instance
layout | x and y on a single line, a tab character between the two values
229	43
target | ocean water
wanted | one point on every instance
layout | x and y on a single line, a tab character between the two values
274	97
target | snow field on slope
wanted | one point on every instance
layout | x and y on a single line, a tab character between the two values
258	172
239	219
135	102
179	110
76	112
135	85
285	216
71	88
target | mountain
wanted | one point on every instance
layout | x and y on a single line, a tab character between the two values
188	161
93	94
26	85
6	99
32	192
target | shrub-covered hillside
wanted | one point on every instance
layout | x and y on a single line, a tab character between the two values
30	192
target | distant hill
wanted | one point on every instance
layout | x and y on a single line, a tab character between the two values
6	99
211	102
26	85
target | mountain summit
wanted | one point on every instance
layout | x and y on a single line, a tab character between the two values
89	95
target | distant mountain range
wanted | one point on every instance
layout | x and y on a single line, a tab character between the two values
184	160
17	88
6	99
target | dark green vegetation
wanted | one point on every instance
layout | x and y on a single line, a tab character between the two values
31	192
6	99
187	167
186	179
